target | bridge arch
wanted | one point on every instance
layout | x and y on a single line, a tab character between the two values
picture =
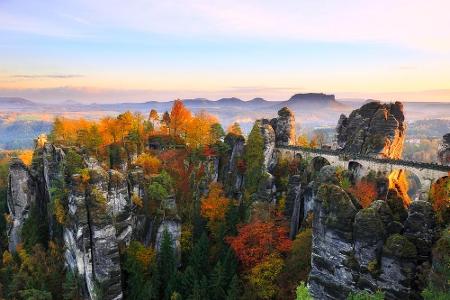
356	170
318	162
408	184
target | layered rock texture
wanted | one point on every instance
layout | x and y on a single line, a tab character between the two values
368	249
374	129
444	150
100	214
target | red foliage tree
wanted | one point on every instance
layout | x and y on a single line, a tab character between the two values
257	240
365	192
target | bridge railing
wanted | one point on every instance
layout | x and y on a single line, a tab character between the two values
355	156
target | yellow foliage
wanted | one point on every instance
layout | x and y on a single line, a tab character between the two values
7	258
186	241
235	128
302	141
60	212
137	200
199	128
26	157
85	176
8	218
263	277
149	163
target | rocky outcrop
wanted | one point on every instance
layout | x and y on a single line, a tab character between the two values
233	176
173	227
444	150
374	129
268	135
332	257
284	126
21	196
368	249
91	237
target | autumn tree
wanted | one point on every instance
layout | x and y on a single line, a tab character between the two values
235	128
153	116
214	207
149	163
180	118
365	191
198	129
302	141
257	240
263	277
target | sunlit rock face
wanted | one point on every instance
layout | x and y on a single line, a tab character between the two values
375	129
444	150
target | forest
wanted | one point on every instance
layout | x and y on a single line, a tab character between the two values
231	245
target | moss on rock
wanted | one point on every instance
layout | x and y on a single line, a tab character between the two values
399	246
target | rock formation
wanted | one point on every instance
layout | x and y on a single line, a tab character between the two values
284	126
360	249
444	150
374	129
21	195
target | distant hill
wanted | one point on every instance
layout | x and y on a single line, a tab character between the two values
16	102
313	101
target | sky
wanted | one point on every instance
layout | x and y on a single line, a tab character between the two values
121	51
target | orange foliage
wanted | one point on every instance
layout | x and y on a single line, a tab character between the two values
149	163
257	240
440	194
235	128
26	157
199	128
214	206
365	192
180	118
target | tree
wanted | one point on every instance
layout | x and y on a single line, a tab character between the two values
198	129
165	123
216	132
302	141
218	282
365	192
180	117
254	159
149	163
234	289
263	277
153	116
235	129
166	263
215	205
302	292
257	240
94	139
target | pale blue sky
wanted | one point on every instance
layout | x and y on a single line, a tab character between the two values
159	50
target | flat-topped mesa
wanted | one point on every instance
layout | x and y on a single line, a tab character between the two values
375	129
444	150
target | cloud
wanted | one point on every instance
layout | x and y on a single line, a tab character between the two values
43	76
411	23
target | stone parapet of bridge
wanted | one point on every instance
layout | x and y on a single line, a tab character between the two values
427	173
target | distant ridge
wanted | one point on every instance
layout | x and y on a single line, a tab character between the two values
16	102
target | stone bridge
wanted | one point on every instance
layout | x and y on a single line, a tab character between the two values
425	173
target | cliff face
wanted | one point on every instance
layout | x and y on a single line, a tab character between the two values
99	216
368	249
444	150
21	195
374	129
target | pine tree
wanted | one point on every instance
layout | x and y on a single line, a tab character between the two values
166	263
218	282
199	257
233	289
254	159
